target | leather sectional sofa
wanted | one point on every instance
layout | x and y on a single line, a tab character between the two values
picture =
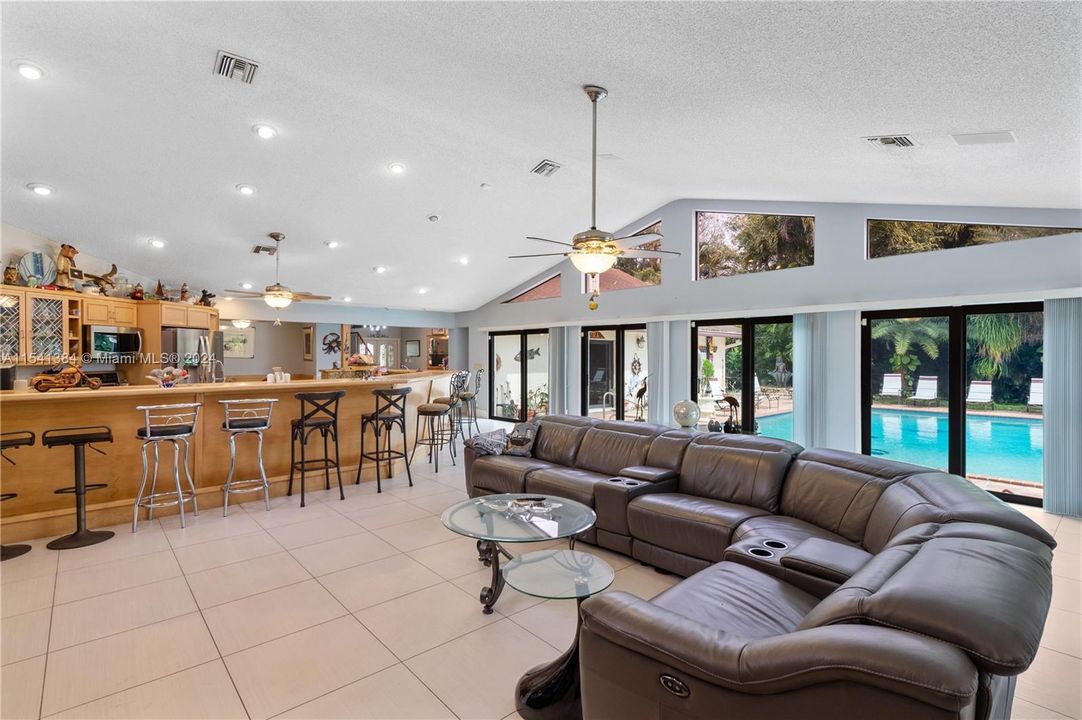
820	583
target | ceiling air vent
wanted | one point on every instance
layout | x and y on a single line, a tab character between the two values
235	67
264	250
891	141
545	168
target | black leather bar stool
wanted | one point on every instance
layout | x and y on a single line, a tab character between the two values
390	411
246	417
174	424
319	411
436	431
78	438
9	441
469	403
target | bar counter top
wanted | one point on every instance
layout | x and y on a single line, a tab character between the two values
134	391
39	471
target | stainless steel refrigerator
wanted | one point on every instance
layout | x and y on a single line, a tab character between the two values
196	350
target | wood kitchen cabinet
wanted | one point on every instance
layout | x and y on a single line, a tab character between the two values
12	325
109	311
45	323
174	315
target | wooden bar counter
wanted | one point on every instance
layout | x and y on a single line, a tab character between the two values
38	512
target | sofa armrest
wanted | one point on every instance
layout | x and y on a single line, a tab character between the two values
647	473
826	559
912	665
611	499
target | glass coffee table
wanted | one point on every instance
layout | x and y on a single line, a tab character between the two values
553	691
496	520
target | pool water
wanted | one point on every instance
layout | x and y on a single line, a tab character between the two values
1001	447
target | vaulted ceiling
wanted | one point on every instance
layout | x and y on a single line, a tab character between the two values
738	100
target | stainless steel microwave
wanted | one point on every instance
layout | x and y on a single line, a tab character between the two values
107	343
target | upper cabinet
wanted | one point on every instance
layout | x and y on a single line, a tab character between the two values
47	328
188	316
109	311
12	330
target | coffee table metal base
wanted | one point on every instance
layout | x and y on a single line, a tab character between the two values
489	552
553	691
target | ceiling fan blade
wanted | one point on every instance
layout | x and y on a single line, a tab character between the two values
631	241
554	242
309	296
245	293
512	257
647	253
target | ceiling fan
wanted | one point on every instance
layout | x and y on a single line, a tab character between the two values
594	251
278	296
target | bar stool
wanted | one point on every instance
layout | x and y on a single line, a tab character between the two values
8	441
459	381
246	417
469	403
172	424
390	411
437	434
78	438
319	411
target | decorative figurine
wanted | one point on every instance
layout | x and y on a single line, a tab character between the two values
137	293
63	376
185	295
65	261
104	282
205	299
159	291
11	274
332	343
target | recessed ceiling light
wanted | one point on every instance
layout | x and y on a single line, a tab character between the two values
246	286
397	168
347	298
246	189
264	131
30	72
379	269
486	186
422	291
157	243
433	218
332	244
228	298
463	260
40	189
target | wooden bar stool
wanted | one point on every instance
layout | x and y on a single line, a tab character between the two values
173	424
78	438
434	434
9	441
319	412
246	417
390	411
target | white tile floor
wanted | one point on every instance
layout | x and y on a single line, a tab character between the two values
363	608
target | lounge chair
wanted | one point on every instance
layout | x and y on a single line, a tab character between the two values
715	388
927	390
980	393
761	397
1036	394
892	385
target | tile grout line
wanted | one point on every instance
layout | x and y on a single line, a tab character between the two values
48	641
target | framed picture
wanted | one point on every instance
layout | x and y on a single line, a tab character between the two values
413	348
308	341
238	342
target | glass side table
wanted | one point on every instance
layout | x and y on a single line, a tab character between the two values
495	520
553	691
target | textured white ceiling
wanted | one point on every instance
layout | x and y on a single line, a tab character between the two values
736	100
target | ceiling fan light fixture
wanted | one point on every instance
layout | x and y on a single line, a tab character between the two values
591	263
278	300
240	324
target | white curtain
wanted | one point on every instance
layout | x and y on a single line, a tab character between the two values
1063	406
826	380
658	410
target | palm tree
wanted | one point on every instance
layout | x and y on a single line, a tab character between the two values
908	335
998	336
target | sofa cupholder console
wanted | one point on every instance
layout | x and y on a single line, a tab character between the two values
775	544
760	552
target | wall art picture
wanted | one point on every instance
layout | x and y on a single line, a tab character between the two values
413	348
238	342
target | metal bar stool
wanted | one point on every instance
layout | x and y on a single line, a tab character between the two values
246	417
173	424
459	381
390	411
469	403
434	434
319	411
78	438
8	441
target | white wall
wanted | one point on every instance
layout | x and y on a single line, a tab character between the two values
841	278
274	347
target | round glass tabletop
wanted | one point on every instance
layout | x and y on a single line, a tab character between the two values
518	517
558	574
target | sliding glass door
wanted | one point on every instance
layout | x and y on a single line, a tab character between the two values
614	365
518	381
742	373
958	389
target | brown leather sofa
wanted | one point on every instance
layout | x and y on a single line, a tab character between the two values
820	583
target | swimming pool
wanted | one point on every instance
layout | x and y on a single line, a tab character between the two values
996	446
